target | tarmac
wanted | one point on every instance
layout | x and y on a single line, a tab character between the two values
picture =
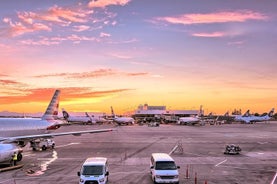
198	150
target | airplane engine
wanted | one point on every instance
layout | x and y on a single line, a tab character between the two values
7	150
22	143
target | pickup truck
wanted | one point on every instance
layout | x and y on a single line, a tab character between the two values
42	144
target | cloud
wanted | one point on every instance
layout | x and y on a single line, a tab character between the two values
120	56
73	93
8	82
74	18
29	22
43	95
236	43
137	74
81	28
105	3
104	35
209	35
18	28
93	74
58	40
133	40
57	15
218	17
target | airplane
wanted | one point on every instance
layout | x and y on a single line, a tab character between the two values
122	120
188	120
15	133
247	118
83	119
191	120
225	118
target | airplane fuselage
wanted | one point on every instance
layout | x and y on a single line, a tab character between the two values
124	120
11	127
79	119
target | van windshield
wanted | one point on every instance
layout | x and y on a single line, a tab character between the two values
92	170
167	165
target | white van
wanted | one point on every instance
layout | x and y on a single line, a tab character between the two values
94	171
163	169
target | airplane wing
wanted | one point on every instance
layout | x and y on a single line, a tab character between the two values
29	137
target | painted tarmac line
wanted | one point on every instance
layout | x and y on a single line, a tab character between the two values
220	163
274	178
60	146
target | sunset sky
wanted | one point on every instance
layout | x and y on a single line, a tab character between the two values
179	53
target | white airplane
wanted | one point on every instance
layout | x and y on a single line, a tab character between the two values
191	120
83	119
247	118
15	133
122	120
188	120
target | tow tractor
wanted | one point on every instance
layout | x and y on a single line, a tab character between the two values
42	144
232	149
153	124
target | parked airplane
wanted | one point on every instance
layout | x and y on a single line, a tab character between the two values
225	118
17	132
188	120
80	119
191	120
247	118
83	119
122	120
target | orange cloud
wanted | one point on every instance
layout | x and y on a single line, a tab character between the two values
105	3
43	95
8	82
219	17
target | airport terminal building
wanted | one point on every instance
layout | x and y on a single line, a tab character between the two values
146	111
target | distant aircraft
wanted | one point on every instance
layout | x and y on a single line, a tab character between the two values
17	132
191	120
81	119
122	120
219	118
188	120
247	118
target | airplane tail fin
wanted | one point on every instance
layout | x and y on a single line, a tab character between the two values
201	111
65	114
53	107
227	113
247	113
87	115
113	115
271	112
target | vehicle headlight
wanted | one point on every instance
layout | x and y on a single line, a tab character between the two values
81	181
101	180
158	176
176	176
